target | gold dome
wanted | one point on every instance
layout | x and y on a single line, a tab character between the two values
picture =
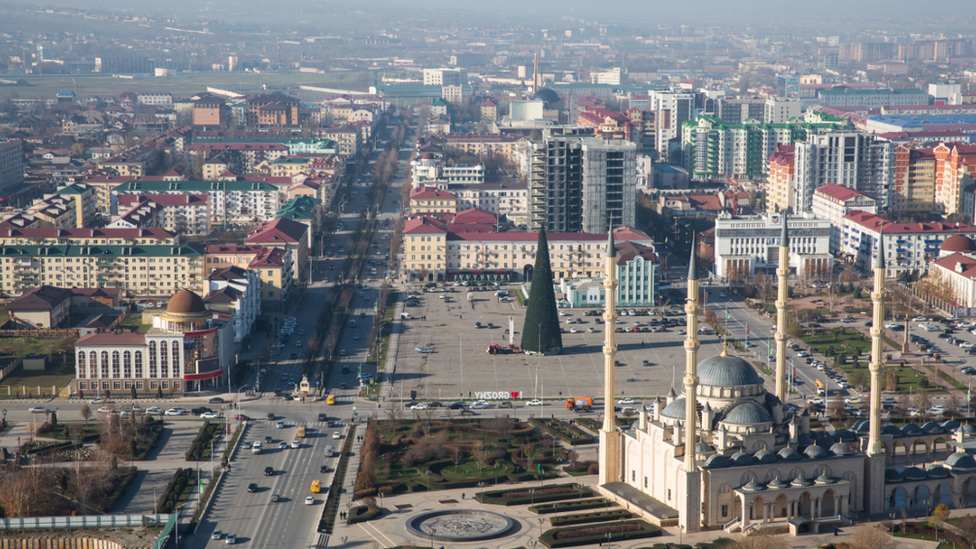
185	302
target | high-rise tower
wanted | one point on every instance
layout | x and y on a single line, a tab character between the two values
783	274
689	516
875	452
610	454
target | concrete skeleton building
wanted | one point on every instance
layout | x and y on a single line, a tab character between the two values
728	454
580	183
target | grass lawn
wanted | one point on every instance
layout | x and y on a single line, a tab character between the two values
23	346
466	469
844	343
55	376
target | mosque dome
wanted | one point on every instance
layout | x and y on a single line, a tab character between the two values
801	481
815	452
778	484
843	435
824	479
185	302
727	371
547	95
932	428
936	471
960	460
703	448
911	429
891	430
675	410
841	449
764	456
958	243
746	413
951	425
891	475
968	429
742	458
789	454
913	473
753	486
862	426
717	461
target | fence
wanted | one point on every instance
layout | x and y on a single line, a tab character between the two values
89	521
54	334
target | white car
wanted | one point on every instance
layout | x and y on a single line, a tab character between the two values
210	415
105	410
420	406
309	500
815	400
154	410
231	539
96	401
38	410
424	350
296	444
591	329
174	412
337	435
626	401
280	425
573	331
480	405
534	402
217	534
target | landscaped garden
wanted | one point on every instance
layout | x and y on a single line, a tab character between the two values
435	454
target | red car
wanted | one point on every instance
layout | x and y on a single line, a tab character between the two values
241	417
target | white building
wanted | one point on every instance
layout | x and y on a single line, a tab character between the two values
672	109
833	202
780	110
612	77
155	99
855	160
503	199
907	246
747	244
445	77
238	291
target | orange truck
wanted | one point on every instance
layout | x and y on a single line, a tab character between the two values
579	403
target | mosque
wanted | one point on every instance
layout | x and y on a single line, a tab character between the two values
729	454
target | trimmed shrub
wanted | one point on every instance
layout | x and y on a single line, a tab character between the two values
363	513
584	518
592	534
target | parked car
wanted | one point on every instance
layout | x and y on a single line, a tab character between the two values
534	402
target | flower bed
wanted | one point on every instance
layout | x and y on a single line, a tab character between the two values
584	518
593	534
579	505
562	430
522	496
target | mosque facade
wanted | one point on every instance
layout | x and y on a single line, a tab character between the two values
727	453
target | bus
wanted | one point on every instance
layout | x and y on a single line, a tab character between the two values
300	433
330	399
820	387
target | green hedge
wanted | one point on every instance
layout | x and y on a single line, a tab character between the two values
646	530
363	513
119	489
581	505
178	490
562	430
584	518
494	497
719	543
200	447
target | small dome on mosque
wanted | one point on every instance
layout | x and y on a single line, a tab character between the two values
932	428
815	452
764	456
936	471
801	481
843	435
746	413
891	430
717	461
911	429
789	454
960	460
742	458
841	449
913	473
891	475
675	410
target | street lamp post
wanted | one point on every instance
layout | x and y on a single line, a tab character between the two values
432	532
541	520
496	473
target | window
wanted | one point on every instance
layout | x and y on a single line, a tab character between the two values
116	385
645	482
725	511
126	364
163	360
81	367
82	385
153	384
633	476
152	360
176	359
138	385
92	365
165	385
669	494
104	364
139	365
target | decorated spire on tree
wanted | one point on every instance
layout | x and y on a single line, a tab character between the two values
541	334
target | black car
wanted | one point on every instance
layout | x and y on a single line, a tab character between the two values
268	471
324	469
216	400
252	487
322	417
277	393
267	439
271	415
456	406
435	404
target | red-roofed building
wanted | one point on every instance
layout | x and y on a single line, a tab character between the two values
273	266
609	124
834	202
489	110
907	246
288	234
432	200
958	270
103	237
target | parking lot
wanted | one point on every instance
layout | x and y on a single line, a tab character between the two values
461	367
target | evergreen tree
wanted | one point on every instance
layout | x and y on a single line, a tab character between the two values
540	333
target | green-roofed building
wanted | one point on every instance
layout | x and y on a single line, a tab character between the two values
295	146
139	270
240	202
712	149
303	209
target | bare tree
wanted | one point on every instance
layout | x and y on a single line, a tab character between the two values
457	455
85	412
922	400
872	536
395	415
762	539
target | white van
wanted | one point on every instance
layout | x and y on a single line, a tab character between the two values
329	451
256	448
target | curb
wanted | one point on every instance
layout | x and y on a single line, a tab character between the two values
220	480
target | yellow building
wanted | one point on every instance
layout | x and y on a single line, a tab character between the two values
273	265
432	200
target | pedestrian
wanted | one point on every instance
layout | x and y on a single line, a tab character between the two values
642	343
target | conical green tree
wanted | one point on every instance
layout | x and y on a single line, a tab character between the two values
541	334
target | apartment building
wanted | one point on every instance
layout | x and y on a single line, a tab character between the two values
231	201
712	149
503	199
954	170
907	246
834	203
431	171
740	109
11	163
581	183
913	180
272	110
155	99
83	198
779	181
235	291
210	112
56	212
671	110
486	146
859	161
348	139
138	215
432	200
274	267
186	214
236	156
291	235
434	251
745	245
780	110
139	270
86	237
844	96
445	77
